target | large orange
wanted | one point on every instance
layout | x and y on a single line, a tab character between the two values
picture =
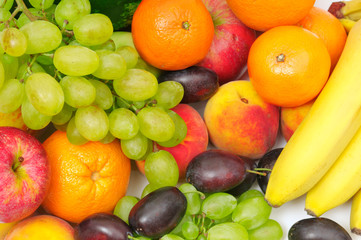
262	15
288	65
329	29
172	34
85	179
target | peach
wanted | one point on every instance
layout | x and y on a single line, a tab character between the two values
240	121
195	142
13	119
291	118
41	227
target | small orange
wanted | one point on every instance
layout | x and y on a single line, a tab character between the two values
329	29
288	65
172	34
262	15
85	179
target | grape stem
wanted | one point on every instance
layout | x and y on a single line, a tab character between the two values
22	7
200	193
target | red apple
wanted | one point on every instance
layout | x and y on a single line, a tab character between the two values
231	43
24	174
195	142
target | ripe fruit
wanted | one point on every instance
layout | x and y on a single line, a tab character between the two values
25	174
288	66
266	14
267	162
86	179
172	40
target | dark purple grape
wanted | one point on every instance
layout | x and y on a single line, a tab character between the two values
158	212
215	170
248	180
199	83
103	226
267	161
317	229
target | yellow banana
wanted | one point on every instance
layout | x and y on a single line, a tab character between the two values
355	218
325	132
347	24
340	183
350	7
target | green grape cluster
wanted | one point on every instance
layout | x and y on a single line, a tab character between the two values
63	65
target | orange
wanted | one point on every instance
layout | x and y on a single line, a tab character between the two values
85	179
288	65
329	29
172	34
262	15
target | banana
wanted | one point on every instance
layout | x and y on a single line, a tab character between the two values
355	217
348	12
340	183
347	24
350	7
325	132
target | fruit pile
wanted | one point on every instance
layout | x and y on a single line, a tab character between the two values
84	104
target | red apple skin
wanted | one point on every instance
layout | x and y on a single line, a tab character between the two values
194	143
232	40
21	190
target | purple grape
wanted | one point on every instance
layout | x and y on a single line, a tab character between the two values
267	161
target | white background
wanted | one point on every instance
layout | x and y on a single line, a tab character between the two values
289	213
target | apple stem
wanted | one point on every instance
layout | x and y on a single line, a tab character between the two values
281	58
17	163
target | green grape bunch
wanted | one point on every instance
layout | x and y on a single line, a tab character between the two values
63	65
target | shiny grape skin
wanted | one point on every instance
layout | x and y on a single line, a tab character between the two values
215	170
158	213
267	161
103	226
317	229
248	181
199	83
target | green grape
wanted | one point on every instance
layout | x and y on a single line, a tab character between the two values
193	198
219	205
42	36
11	66
93	29
33	119
5	14
92	122
8	4
103	97
63	116
11	95
13	42
41	4
150	149
227	231
141	64
180	130
169	94
129	54
170	236
122	103
148	189
108	138
270	230
158	165
44	93
252	212
122	38
108	45
78	91
76	60
61	127
156	124
123	123
111	65
136	147
25	71
139	104
136	85
68	11
178	229
123	207
47	13
2	74
201	237
251	193
190	230
73	134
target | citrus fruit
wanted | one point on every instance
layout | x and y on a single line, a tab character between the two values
85	179
288	65
327	27
262	15
172	35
